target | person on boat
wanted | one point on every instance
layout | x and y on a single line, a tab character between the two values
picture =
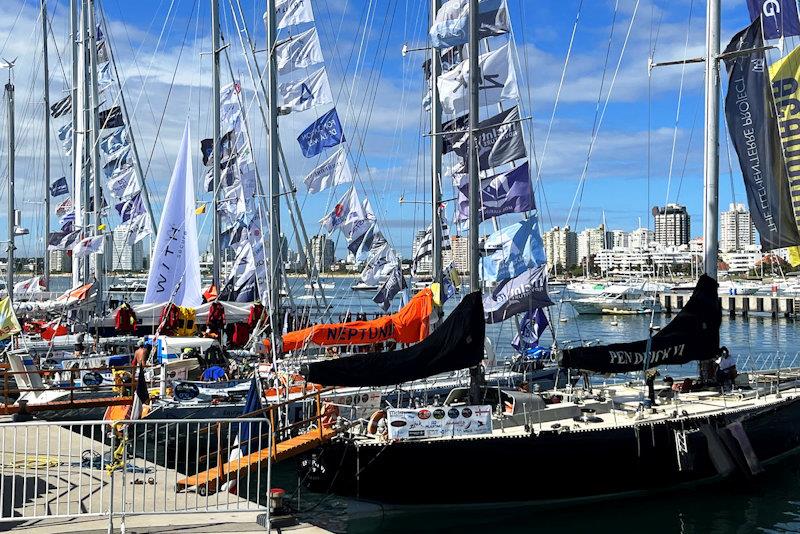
650	380
215	373
726	370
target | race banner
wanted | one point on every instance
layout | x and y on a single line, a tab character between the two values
439	422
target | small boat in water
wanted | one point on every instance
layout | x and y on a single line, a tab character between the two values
617	300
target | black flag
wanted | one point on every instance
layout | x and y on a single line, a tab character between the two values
62	107
111	118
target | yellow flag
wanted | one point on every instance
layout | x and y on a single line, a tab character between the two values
101	227
455	277
436	287
794	256
8	320
199	210
784	75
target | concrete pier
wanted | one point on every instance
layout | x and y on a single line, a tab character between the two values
770	305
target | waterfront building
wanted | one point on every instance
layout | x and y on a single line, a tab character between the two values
737	231
561	247
673	225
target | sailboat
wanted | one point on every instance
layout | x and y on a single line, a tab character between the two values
472	442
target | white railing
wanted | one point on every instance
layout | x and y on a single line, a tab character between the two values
767	361
89	468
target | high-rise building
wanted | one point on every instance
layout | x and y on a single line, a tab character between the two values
616	239
424	265
561	247
640	238
458	254
673	226
737	231
60	261
322	251
591	241
124	256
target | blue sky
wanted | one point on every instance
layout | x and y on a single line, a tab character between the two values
162	56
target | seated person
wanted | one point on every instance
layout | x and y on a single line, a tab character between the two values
726	370
667	392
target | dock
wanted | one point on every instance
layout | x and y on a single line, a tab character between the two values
772	305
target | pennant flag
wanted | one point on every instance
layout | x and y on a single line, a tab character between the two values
59	187
778	17
175	277
89	245
62	107
9	325
65	207
292	12
498	82
451	25
507	192
141	396
298	52
379	265
306	93
510	297
499	141
391	287
325	132
130	208
424	248
531	328
333	171
62	240
772	193
111	118
513	250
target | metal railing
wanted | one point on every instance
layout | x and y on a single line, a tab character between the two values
129	468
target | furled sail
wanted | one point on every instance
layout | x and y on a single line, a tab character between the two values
456	344
692	335
409	325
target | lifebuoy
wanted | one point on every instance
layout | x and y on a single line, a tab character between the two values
372	426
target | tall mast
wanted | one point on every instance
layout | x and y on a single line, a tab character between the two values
45	62
10	212
76	156
274	177
99	263
436	156
215	236
711	143
474	178
86	82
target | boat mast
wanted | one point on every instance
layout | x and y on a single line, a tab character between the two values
99	263
711	143
274	178
436	157
86	194
474	178
10	213
46	66
215	117
76	157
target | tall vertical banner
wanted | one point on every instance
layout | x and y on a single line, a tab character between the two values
778	17
753	127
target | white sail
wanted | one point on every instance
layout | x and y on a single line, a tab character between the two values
174	270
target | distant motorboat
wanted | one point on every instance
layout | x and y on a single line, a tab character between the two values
361	286
617	300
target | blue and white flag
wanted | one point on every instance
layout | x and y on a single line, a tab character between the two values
124	184
531	328
67	222
513	250
114	143
523	293
382	260
298	52
305	93
507	192
498	82
59	187
122	160
779	18
175	276
89	245
325	132
62	240
391	287
130	208
65	136
451	25
104	77
333	171
361	245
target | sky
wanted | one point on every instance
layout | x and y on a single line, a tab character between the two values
647	149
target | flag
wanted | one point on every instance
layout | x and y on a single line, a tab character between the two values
361	245
451	25
510	297
772	192
350	215
793	254
498	82
122	160
325	132
124	183
102	52
531	328
292	12
67	221
89	245
136	228
65	207
113	143
62	240
499	140
111	118
513	250
226	148
104	77
303	94
298	52
9	325
333	171
141	396
450	57
29	285
424	247
201	209
131	207
59	187
391	287
507	192
778	17
379	265
175	277
62	107
65	136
